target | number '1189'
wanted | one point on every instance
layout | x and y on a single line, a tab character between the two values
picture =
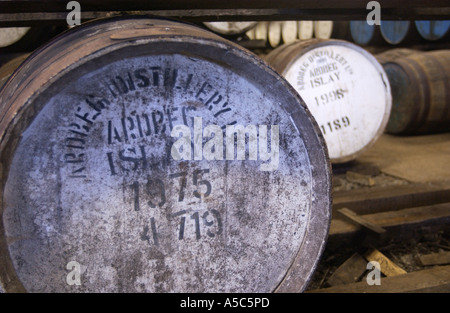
335	125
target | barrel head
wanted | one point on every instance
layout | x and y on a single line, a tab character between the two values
345	89
164	159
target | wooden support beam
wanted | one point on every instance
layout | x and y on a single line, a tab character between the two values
399	225
21	12
361	220
361	179
381	199
439	258
99	5
439	214
349	271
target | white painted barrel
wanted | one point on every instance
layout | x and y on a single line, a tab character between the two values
261	31
274	34
11	35
251	33
121	171
230	28
305	30
16	40
289	31
323	29
344	87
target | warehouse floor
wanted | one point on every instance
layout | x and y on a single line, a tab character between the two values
417	159
406	182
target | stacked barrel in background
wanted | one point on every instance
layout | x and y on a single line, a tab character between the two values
344	87
18	40
420	90
275	33
9	67
10	36
398	32
418	81
392	33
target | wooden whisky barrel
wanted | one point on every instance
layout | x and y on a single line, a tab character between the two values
289	31
274	34
433	30
399	33
420	93
345	89
261	30
364	34
305	30
9	67
121	171
395	32
393	54
323	29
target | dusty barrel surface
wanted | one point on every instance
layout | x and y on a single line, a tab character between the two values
121	171
420	93
345	89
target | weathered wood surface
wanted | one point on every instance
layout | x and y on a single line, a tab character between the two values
387	267
361	220
439	258
348	272
439	213
389	198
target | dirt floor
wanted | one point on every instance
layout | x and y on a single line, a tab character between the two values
405	254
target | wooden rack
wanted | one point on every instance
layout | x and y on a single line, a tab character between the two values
31	12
